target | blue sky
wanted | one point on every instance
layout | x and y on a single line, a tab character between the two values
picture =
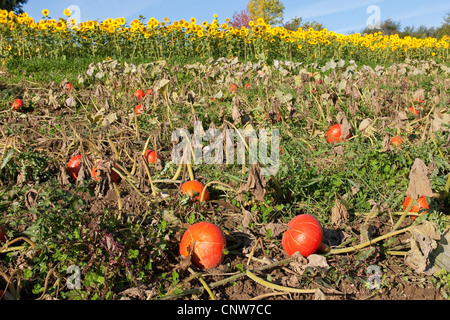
342	16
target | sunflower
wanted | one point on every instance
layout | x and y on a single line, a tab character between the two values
67	12
45	12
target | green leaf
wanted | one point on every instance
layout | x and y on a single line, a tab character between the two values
7	157
363	255
27	274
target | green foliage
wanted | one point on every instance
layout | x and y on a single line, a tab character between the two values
390	27
13	5
297	22
269	10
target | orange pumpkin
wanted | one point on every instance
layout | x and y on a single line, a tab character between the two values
17	105
206	242
73	166
195	187
305	235
139	94
334	134
113	174
422	204
151	155
396	141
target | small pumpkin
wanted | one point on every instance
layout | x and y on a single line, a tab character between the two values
206	243
304	234
194	189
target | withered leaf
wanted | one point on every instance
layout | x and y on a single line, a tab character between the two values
423	241
441	256
386	144
236	114
70	102
345	125
247	218
299	263
63	176
419	184
275	228
339	213
419	94
255	183
366	125
319	295
440	121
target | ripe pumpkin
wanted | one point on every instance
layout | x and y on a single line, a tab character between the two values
69	87
113	175
151	155
232	88
396	141
139	94
73	167
3	237
422	201
138	109
195	187
334	134
305	235
208	247
413	110
17	104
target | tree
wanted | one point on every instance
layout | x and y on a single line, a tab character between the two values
240	19
420	32
13	5
444	29
269	10
295	23
388	27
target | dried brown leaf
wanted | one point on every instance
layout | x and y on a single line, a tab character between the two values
419	184
345	125
339	213
299	263
441	256
423	241
236	114
255	183
439	120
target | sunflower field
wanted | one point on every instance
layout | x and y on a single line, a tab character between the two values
23	37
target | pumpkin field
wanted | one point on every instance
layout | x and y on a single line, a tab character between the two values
95	206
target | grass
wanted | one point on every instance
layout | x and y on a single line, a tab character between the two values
135	246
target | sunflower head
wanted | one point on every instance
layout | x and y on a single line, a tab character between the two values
67	12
